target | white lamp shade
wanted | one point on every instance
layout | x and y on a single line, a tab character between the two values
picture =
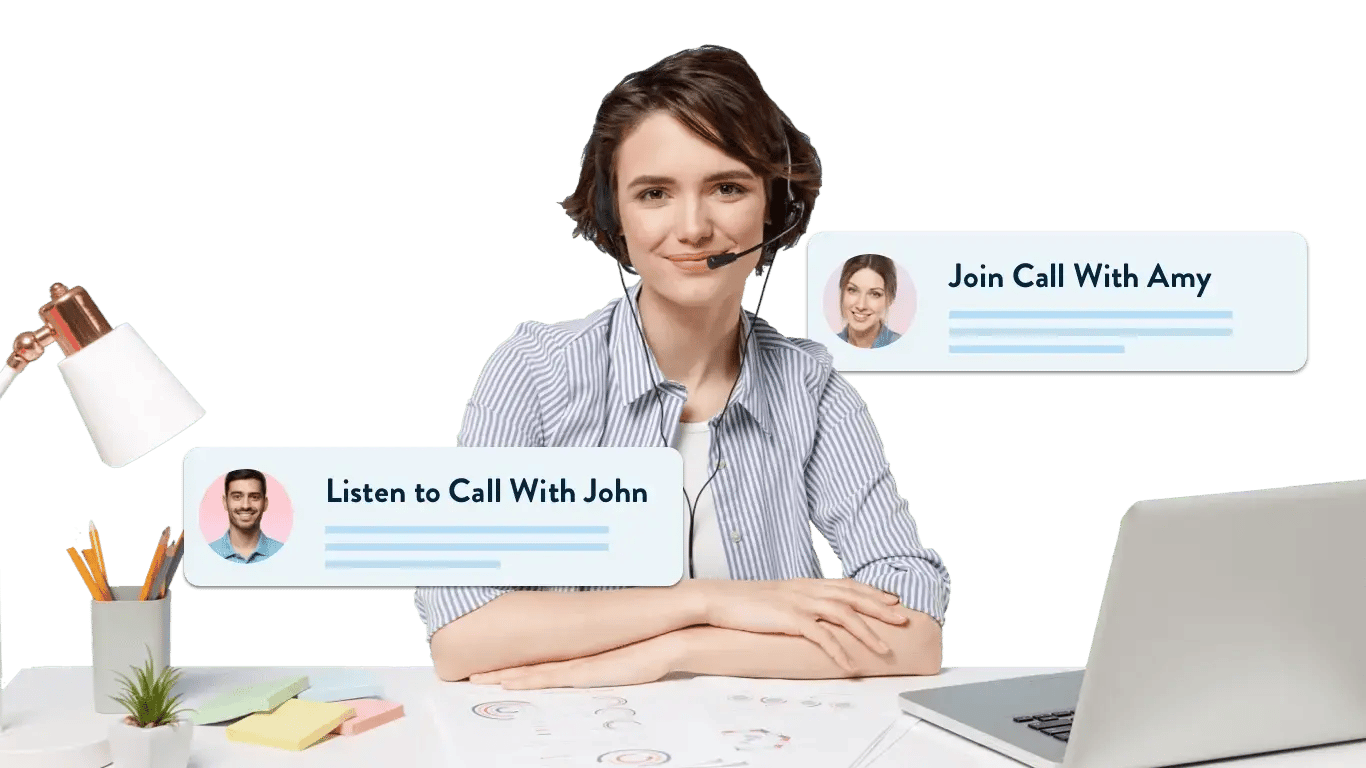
130	401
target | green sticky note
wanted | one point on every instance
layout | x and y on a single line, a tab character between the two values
249	699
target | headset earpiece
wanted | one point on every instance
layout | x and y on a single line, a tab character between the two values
605	215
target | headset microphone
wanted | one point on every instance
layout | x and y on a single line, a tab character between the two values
722	259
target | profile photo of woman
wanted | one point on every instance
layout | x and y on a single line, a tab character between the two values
867	289
692	179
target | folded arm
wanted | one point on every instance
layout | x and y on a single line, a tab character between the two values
528	627
915	648
855	505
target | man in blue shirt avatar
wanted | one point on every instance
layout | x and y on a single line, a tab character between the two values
244	499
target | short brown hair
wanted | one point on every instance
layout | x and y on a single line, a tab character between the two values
244	474
713	92
880	264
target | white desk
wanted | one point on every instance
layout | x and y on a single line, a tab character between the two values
412	741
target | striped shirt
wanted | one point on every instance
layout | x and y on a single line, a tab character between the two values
796	446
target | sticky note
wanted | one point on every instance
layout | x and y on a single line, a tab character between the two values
295	725
258	697
341	684
370	713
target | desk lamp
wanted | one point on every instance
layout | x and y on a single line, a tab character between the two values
131	404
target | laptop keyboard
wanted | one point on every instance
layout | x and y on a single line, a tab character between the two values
1055	724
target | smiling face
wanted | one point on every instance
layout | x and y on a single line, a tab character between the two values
864	301
681	199
245	502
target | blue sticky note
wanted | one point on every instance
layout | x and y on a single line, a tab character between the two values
341	684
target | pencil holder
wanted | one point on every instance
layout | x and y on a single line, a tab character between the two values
121	632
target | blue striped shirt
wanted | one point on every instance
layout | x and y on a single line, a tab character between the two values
796	446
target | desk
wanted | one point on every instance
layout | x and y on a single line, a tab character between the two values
412	741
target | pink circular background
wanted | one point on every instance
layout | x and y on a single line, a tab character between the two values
276	523
900	315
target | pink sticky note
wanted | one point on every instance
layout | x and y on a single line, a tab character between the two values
370	713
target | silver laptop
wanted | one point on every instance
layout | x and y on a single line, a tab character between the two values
1231	625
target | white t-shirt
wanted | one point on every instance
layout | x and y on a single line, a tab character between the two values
707	558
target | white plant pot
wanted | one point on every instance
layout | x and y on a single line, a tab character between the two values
165	746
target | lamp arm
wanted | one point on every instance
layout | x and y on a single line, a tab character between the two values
7	375
28	346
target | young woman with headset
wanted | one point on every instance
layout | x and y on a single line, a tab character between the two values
691	178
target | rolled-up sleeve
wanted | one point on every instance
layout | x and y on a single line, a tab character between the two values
854	503
512	393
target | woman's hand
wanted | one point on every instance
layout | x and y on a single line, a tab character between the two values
801	607
641	662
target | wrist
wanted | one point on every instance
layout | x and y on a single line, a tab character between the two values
694	600
680	648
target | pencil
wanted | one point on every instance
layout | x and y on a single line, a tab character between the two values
85	574
99	557
157	557
173	557
95	576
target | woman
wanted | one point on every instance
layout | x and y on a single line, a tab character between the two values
867	290
690	159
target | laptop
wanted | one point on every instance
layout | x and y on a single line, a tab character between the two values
1231	625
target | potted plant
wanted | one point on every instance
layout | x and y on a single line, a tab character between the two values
152	735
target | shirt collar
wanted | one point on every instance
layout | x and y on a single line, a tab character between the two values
884	336
228	552
635	372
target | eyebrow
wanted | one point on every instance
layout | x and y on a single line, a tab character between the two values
660	181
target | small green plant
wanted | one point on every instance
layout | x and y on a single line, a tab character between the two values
148	697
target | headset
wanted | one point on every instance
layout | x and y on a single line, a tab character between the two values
792	211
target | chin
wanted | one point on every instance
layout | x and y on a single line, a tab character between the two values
694	291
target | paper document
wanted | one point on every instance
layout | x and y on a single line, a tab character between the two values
691	723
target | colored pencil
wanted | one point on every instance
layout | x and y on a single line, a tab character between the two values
85	574
99	556
177	549
94	563
157	558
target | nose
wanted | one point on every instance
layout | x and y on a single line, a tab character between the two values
694	224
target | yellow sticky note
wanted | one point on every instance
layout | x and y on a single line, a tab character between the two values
294	725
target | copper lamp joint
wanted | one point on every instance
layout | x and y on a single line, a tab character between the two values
71	320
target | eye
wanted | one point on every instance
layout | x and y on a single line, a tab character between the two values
730	190
653	195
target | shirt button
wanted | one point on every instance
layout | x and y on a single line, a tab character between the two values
735	535
721	464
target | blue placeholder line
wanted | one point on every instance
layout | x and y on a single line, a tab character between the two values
1036	349
465	529
1089	314
1090	331
413	564
437	546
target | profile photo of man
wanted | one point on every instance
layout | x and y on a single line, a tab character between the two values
245	502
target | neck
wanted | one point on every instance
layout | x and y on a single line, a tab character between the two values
864	338
241	538
692	345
